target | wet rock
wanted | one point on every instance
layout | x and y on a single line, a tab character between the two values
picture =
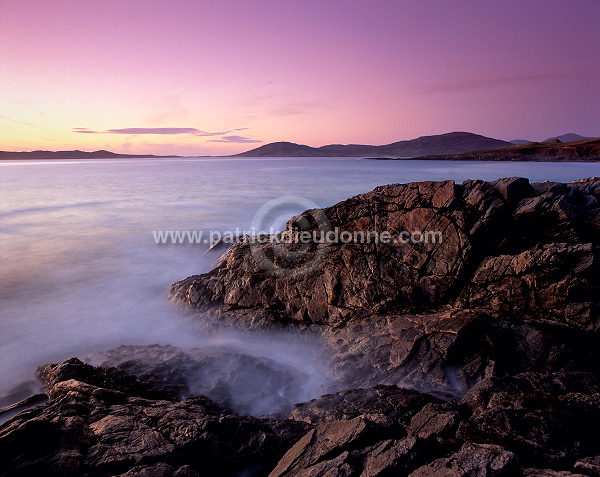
8	411
391	457
554	279
156	470
88	430
106	378
247	384
448	352
438	421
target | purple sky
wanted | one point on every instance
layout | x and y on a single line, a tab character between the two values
219	77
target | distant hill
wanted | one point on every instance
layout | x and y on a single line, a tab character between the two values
450	143
569	137
553	150
519	141
70	155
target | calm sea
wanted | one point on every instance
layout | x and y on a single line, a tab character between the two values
80	271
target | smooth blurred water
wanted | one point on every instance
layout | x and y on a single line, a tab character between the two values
80	271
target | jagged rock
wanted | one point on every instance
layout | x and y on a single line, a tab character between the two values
449	351
7	412
540	280
473	460
105	378
390	456
545	419
325	448
384	403
507	245
435	420
351	447
88	430
156	470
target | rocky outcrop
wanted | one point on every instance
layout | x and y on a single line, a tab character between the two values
508	246
98	423
509	427
508	299
512	287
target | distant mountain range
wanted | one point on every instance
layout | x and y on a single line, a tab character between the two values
450	143
569	137
102	154
553	150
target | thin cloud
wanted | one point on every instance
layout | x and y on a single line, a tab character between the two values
192	131
18	122
303	107
167	131
484	82
234	139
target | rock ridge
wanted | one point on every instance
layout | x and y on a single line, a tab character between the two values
508	246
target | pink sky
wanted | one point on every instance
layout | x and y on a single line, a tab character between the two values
220	77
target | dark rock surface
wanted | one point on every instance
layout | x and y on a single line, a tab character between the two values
449	351
388	403
528	424
107	428
472	460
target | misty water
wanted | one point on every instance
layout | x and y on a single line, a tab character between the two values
81	274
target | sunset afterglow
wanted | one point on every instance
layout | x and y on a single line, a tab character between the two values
195	77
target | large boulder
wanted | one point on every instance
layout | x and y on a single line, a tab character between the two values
508	246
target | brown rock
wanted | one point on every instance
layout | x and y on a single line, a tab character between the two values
548	420
390	402
473	460
507	245
589	466
324	448
533	472
85	430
